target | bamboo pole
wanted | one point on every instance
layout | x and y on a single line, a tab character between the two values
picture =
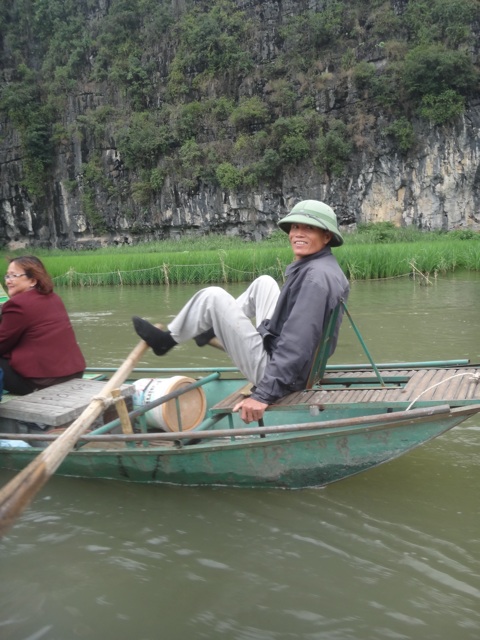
18	493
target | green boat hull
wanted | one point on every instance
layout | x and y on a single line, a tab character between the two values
293	459
348	424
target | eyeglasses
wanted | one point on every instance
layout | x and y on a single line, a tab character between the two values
10	276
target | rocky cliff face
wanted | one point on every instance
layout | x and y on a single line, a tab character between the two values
435	184
435	187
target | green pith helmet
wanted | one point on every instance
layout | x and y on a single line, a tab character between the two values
316	214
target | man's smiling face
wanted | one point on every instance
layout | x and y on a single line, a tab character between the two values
306	240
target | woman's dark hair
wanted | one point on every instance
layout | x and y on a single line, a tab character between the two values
34	268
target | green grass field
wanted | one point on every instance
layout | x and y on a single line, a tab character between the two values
375	251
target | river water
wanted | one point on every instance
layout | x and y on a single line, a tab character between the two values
390	554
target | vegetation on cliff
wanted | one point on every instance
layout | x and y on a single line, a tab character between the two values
192	92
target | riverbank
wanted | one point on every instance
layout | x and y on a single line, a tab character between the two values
376	251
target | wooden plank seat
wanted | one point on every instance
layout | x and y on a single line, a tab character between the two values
56	406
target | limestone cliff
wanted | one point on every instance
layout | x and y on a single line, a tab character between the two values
158	134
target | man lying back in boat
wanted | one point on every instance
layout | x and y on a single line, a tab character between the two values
277	355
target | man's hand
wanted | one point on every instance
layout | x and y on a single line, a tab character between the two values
250	410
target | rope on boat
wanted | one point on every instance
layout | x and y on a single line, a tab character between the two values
473	376
107	401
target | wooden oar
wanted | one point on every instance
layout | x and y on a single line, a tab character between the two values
18	493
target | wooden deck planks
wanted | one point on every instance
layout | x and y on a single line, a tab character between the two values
464	385
473	389
450	383
461	388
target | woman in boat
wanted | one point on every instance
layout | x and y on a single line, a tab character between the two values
38	347
276	357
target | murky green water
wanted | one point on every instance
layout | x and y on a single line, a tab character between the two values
393	553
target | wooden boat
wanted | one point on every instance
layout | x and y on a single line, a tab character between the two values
352	419
348	419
